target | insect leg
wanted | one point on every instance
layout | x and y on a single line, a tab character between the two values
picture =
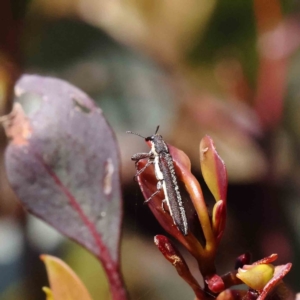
159	186
155	193
162	205
138	156
149	162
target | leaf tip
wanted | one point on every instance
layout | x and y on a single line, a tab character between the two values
43	257
48	292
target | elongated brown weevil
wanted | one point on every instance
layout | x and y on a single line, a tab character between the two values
162	160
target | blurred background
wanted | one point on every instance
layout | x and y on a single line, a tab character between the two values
230	69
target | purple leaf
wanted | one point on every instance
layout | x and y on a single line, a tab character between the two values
63	163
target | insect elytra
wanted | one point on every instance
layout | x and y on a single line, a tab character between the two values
162	160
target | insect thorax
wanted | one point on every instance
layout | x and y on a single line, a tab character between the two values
159	145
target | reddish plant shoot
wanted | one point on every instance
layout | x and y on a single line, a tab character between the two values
262	277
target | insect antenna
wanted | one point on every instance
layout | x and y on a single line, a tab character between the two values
157	129
130	132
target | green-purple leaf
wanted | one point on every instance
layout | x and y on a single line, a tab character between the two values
63	163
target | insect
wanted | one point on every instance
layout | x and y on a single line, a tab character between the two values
162	160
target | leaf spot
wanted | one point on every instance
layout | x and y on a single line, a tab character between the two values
18	91
103	214
107	182
17	126
205	150
80	107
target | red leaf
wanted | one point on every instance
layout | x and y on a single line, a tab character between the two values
215	175
63	164
219	219
213	169
266	260
280	272
148	184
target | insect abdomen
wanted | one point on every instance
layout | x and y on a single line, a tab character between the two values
173	196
